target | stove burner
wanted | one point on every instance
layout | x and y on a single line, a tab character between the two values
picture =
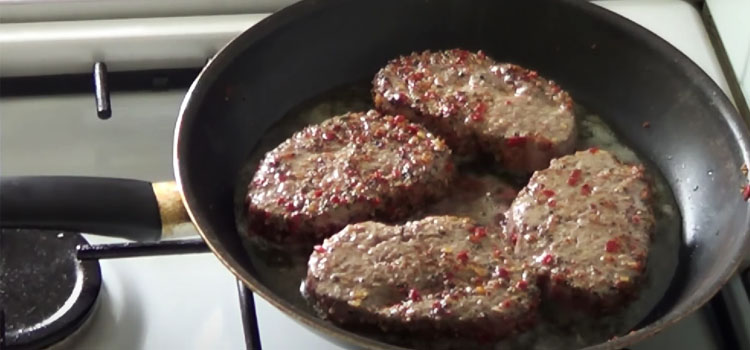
46	294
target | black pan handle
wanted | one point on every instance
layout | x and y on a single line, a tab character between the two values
132	209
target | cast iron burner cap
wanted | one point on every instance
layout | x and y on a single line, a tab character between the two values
46	294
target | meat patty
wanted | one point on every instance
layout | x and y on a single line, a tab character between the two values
586	223
477	104
439	274
482	197
347	169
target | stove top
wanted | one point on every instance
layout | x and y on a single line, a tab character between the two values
191	301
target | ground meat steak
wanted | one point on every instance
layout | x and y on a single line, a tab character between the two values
586	224
478	104
482	197
440	274
347	169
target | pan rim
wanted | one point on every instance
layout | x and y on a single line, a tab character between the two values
237	45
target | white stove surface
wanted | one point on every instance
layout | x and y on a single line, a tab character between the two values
191	302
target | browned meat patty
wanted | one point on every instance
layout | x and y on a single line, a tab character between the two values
439	274
586	223
482	197
478	104
347	169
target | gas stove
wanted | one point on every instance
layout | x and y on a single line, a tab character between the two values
150	298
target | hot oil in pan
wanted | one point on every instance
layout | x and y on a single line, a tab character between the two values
556	329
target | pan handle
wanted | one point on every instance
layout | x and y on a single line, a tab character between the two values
131	209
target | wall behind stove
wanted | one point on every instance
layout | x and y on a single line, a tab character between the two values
61	135
731	19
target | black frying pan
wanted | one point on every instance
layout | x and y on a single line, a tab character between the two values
613	67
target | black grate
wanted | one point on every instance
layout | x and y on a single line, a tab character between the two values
172	247
249	317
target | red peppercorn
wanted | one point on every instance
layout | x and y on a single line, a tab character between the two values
412	128
497	253
507	303
532	74
399	119
548	193
290	206
593	150
318	193
547	259
612	246
502	272
282	177
481	54
516	141
402	98
416	76
508	102
475	238
636	219
574	177
586	189
319	248
329	135
513	238
335	199
746	193
480	231
462	55
437	306
429	95
552	203
414	295
522	285
396	172
463	256
479	110
281	201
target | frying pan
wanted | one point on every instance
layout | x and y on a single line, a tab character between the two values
615	68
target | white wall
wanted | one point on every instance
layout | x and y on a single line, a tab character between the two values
732	18
13	11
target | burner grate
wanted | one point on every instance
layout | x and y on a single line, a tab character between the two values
46	293
182	246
